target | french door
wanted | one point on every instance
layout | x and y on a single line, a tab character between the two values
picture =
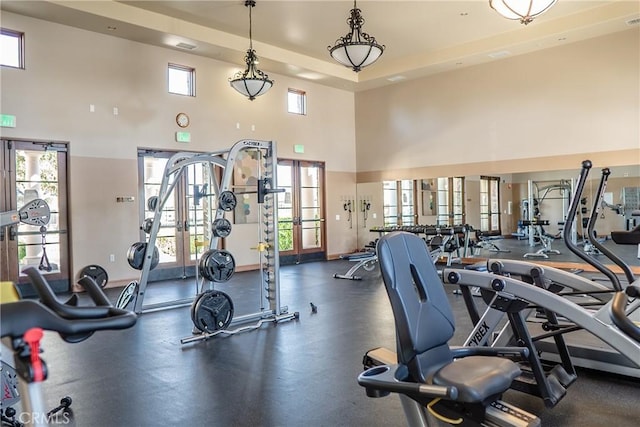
451	208
490	204
182	234
34	170
301	211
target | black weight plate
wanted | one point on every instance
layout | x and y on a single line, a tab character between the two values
227	201
152	203
221	227
127	295
97	273
217	265
213	311
146	225
135	256
193	307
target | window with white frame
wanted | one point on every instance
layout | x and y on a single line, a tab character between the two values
297	102
11	48
182	80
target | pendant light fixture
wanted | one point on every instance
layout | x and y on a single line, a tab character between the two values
357	49
524	10
251	82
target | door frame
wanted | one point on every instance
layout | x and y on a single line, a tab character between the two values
60	280
183	266
298	254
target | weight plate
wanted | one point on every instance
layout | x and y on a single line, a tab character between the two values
146	225
221	227
369	265
152	203
193	308
135	256
213	311
97	273
126	295
227	201
217	265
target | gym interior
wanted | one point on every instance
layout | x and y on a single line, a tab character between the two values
204	246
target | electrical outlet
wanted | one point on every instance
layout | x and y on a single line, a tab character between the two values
112	258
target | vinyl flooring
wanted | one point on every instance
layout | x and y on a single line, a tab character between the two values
297	373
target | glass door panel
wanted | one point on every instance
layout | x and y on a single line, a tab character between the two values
184	232
35	170
301	210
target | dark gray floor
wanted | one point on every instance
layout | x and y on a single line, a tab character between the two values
292	374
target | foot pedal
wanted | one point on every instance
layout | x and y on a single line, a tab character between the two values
505	414
563	376
556	392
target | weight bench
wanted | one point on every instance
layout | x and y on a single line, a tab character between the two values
631	237
546	239
458	385
485	240
365	260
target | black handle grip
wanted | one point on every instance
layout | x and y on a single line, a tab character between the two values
18	317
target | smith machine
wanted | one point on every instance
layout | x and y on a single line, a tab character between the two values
212	311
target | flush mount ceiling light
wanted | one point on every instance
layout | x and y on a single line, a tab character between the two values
251	82
357	49
524	10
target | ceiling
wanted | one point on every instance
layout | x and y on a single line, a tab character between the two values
291	36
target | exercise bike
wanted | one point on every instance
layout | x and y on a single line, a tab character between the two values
22	324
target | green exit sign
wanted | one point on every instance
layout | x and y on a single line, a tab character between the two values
7	121
183	137
298	148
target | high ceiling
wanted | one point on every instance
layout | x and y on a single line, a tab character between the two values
291	36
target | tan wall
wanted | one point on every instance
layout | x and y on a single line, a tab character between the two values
68	69
374	193
536	116
472	202
580	98
343	234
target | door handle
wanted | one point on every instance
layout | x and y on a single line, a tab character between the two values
186	226
179	225
13	232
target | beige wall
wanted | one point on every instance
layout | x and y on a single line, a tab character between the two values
68	69
545	111
580	98
538	112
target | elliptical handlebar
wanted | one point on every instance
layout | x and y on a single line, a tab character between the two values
619	316
619	303
566	232
20	316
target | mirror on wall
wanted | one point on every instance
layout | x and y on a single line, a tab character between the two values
428	194
550	191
